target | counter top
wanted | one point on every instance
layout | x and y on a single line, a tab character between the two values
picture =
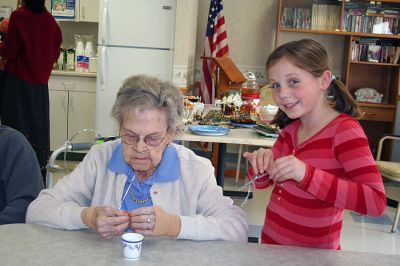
73	73
27	244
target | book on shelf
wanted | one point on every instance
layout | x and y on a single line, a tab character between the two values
325	17
389	13
295	18
396	55
388	50
374	53
391	53
371	18
374	50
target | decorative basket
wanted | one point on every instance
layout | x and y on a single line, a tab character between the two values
369	95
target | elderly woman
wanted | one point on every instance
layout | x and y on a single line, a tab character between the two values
143	181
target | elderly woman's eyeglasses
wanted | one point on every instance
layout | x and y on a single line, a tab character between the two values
150	140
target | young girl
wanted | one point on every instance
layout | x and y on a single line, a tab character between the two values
321	162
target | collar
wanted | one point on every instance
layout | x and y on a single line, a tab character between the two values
167	170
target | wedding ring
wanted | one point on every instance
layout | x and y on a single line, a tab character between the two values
148	220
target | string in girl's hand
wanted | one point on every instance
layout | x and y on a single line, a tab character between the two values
249	185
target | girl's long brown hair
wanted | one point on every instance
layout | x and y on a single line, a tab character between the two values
312	57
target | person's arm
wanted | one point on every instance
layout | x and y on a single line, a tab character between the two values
10	47
3	29
20	175
360	188
61	206
216	217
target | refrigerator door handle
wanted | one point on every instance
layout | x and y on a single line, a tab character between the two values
103	67
104	26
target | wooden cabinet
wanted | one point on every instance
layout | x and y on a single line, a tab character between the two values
58	117
384	113
85	11
72	109
89	10
364	25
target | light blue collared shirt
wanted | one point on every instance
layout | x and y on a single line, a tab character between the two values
167	170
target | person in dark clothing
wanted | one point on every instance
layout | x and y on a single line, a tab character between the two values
31	48
3	33
20	177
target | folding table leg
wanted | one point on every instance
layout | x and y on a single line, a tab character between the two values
239	159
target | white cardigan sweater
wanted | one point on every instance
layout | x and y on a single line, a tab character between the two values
205	213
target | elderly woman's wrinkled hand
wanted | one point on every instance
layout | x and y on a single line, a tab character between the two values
155	221
109	222
143	220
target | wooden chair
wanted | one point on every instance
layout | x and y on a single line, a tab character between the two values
389	170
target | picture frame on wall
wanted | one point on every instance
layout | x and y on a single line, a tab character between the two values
63	9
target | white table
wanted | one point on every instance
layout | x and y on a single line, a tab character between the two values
27	244
245	136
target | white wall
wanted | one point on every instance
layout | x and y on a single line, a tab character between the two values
185	42
11	3
251	27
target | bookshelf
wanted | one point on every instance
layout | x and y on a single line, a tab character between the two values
371	32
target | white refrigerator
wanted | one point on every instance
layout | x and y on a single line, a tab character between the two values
135	37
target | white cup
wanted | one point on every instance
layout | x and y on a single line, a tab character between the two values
132	245
92	64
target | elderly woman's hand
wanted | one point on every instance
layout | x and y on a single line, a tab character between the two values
109	222
143	220
155	221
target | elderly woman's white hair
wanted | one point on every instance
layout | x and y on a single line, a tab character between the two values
141	92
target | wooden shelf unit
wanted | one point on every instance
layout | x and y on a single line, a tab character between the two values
298	16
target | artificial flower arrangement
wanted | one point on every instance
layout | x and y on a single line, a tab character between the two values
237	110
229	104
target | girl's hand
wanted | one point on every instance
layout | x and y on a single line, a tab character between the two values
107	221
261	160
288	167
143	220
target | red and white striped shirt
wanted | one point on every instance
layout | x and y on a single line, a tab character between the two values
341	174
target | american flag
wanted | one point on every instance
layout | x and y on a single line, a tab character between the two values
216	45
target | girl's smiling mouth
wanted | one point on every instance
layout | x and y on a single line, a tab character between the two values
290	105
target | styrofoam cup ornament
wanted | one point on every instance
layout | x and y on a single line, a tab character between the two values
132	245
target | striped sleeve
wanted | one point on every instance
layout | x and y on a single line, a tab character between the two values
357	184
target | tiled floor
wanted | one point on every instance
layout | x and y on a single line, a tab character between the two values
359	233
